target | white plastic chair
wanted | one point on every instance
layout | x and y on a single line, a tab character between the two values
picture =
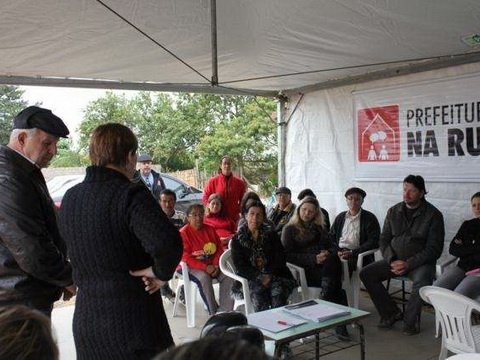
190	294
453	313
352	284
228	268
307	292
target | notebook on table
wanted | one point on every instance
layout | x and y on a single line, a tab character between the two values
311	310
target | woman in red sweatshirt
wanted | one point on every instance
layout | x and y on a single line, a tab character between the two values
201	252
216	218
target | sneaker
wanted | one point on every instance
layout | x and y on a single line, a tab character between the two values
387	323
168	293
409	330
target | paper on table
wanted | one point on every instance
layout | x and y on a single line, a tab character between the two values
318	312
269	321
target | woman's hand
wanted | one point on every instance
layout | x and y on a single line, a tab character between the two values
212	270
152	284
69	292
322	256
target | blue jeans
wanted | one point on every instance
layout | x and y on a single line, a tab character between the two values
454	279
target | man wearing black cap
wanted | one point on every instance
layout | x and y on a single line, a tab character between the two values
33	265
281	213
149	177
411	242
356	230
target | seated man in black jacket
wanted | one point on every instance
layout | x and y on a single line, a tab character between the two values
411	242
356	230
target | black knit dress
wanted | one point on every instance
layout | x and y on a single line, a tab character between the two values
112	226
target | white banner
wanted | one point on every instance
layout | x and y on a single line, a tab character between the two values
430	128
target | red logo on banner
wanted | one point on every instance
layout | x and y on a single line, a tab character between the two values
378	134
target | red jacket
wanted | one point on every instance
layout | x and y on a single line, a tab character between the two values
231	189
200	247
224	226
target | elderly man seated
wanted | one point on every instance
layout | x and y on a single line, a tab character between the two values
356	230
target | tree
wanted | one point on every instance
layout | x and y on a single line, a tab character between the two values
178	130
110	108
246	131
11	103
67	157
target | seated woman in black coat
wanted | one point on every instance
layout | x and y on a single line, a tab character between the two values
308	244
258	255
466	246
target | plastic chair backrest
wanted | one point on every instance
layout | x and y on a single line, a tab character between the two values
228	268
453	313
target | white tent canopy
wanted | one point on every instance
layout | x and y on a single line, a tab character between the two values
325	49
263	47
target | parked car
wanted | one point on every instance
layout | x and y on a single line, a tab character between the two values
186	194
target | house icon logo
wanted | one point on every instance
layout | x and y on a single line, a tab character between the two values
378	134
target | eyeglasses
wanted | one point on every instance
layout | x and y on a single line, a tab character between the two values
196	215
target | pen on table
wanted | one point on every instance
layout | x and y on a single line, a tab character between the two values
281	322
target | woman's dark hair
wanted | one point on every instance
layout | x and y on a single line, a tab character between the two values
476	195
110	144
215	196
26	334
250	195
257	204
304	193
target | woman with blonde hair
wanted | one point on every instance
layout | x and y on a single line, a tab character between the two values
308	245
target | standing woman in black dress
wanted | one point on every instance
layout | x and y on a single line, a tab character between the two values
122	248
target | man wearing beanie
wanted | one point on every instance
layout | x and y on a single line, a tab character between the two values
34	270
411	242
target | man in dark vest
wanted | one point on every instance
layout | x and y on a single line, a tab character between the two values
149	177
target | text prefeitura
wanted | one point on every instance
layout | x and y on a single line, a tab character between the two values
459	141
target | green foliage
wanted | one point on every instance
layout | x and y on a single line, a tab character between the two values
178	129
66	157
11	103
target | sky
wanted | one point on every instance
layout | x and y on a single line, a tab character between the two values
67	103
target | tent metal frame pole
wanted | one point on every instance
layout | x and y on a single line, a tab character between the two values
282	139
213	20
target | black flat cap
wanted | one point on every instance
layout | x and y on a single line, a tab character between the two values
144	158
356	190
283	190
43	119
